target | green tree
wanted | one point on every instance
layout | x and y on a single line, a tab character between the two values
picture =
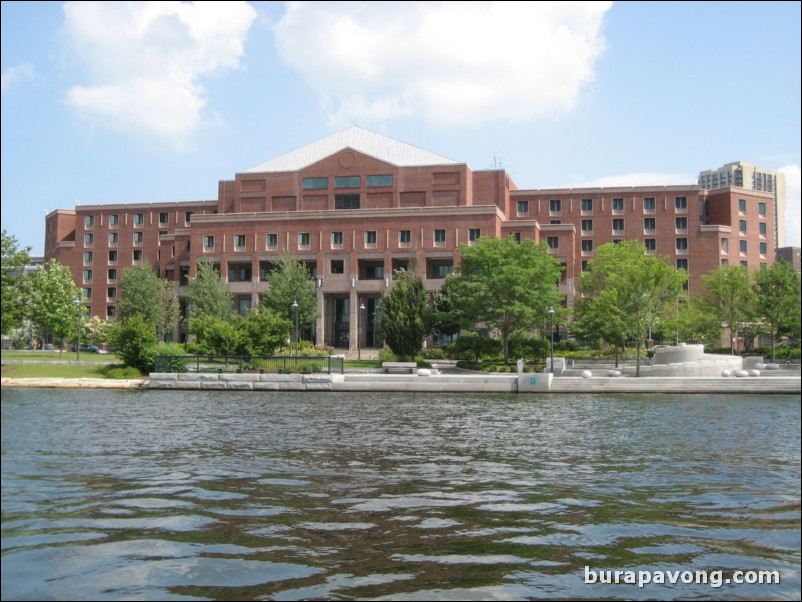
291	282
53	305
139	293
691	321
169	309
597	318
15	291
135	339
217	336
631	288
403	317
207	295
777	297
505	284
728	293
264	331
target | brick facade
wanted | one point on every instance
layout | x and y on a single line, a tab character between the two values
354	218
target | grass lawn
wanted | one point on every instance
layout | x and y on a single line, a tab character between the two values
52	371
67	356
362	364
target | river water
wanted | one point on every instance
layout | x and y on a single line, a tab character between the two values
285	496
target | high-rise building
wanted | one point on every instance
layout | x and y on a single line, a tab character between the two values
745	175
356	206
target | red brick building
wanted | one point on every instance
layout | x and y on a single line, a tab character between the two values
357	205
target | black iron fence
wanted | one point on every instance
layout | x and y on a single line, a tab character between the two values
279	364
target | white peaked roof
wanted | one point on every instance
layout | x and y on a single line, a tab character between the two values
377	146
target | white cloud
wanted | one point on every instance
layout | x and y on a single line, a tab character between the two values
19	73
793	205
449	62
145	59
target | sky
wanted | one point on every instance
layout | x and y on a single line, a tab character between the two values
140	102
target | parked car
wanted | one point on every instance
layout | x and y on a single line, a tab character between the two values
89	349
49	347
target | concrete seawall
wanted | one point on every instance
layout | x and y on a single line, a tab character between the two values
474	383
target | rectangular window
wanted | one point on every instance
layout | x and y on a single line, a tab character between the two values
742	205
347	182
762	228
761	208
681	245
89	221
649	204
742	226
763	248
87	294
725	246
239	241
585	265
138	236
316	183
304	239
682	264
383	180
618	225
337	266
370	238
553	242
441	270
404	237
473	234
114	219
555	221
208	242
111	275
523	207
336	239
681	223
346	201
111	312
587	205
88	238
555	206
112	256
113	238
650	244
87	275
164	218
744	264
618	204
138	256
744	246
587	246
587	226
111	293
439	238
139	219
271	241
517	236
649	224
188	216
680	203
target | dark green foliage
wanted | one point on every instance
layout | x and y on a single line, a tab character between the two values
216	336
529	348
134	339
777	292
403	319
472	346
15	287
178	363
207	295
265	331
139	293
291	281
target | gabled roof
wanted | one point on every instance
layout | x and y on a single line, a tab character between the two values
366	142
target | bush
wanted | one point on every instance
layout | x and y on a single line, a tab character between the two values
469	365
178	361
535	349
567	345
433	353
422	363
386	355
134	339
119	372
472	346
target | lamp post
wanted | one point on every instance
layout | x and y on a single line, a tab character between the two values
295	307
359	331
551	313
77	301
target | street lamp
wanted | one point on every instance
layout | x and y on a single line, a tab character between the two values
295	307
77	301
359	331
551	313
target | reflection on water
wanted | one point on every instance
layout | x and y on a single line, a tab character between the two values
286	496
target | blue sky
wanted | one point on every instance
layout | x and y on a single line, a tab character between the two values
146	102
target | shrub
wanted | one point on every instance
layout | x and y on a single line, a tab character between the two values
433	353
469	365
386	355
120	372
422	363
178	361
472	346
536	349
134	339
